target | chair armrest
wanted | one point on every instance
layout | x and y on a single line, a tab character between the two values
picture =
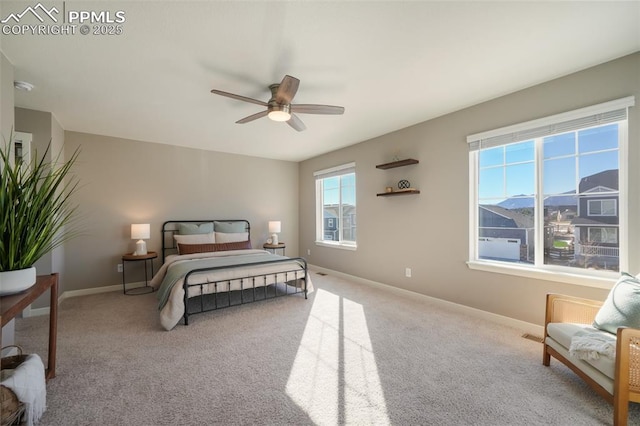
628	361
562	308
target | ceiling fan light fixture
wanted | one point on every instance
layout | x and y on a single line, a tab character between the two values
279	115
279	112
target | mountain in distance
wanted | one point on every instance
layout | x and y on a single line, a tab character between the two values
526	201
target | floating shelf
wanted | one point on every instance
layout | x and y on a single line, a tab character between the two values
392	165
387	194
399	163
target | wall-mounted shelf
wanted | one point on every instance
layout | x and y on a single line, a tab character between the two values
395	164
400	192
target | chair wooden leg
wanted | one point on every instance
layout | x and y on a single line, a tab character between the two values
546	358
620	411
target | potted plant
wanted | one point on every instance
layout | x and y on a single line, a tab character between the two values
35	207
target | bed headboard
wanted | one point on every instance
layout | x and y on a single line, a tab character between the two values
170	228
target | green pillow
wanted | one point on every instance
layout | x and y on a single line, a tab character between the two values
194	228
622	307
230	227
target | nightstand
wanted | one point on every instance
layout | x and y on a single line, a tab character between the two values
148	261
274	247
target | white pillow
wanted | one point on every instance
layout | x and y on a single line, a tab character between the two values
231	237
195	238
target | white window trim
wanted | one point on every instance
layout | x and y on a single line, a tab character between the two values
598	279
337	244
318	175
586	278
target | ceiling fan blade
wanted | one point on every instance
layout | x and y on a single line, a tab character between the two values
253	117
296	123
238	97
317	109
287	90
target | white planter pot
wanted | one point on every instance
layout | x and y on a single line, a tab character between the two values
12	282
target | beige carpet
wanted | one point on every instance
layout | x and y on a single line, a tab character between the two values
350	354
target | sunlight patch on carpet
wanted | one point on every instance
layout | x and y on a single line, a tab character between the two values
334	377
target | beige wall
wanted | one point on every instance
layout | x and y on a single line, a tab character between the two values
6	99
126	181
429	232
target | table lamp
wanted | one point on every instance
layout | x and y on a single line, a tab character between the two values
140	232
274	228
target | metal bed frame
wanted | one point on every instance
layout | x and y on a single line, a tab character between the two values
248	292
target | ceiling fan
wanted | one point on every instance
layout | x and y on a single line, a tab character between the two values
280	108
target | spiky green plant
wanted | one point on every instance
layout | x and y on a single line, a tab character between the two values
35	207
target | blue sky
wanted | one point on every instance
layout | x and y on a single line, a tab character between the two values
509	170
332	189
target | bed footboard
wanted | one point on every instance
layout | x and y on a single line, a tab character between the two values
290	278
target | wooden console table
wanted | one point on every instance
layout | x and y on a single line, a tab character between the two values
12	305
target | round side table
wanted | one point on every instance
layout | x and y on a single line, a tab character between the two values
148	261
274	247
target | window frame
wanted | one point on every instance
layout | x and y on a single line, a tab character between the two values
319	176
604	230
522	132
601	201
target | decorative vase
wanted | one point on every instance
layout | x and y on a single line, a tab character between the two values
12	282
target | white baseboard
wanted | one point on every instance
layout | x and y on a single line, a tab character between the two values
30	312
526	327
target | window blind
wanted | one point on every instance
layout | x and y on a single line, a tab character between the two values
608	112
335	171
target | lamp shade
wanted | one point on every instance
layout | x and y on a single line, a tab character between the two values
274	226
140	231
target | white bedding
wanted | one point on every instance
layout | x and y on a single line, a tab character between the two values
173	309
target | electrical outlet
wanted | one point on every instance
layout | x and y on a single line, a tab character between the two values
308	252
407	272
119	267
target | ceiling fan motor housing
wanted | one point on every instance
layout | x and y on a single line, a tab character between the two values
274	106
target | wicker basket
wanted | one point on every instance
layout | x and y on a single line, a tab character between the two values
11	409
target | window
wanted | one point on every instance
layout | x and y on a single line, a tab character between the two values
603	235
601	208
555	187
336	206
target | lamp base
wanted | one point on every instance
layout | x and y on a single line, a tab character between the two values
274	238
141	248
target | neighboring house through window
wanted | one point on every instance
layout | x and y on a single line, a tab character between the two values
336	206
550	195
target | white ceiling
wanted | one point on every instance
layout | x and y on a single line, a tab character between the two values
390	64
